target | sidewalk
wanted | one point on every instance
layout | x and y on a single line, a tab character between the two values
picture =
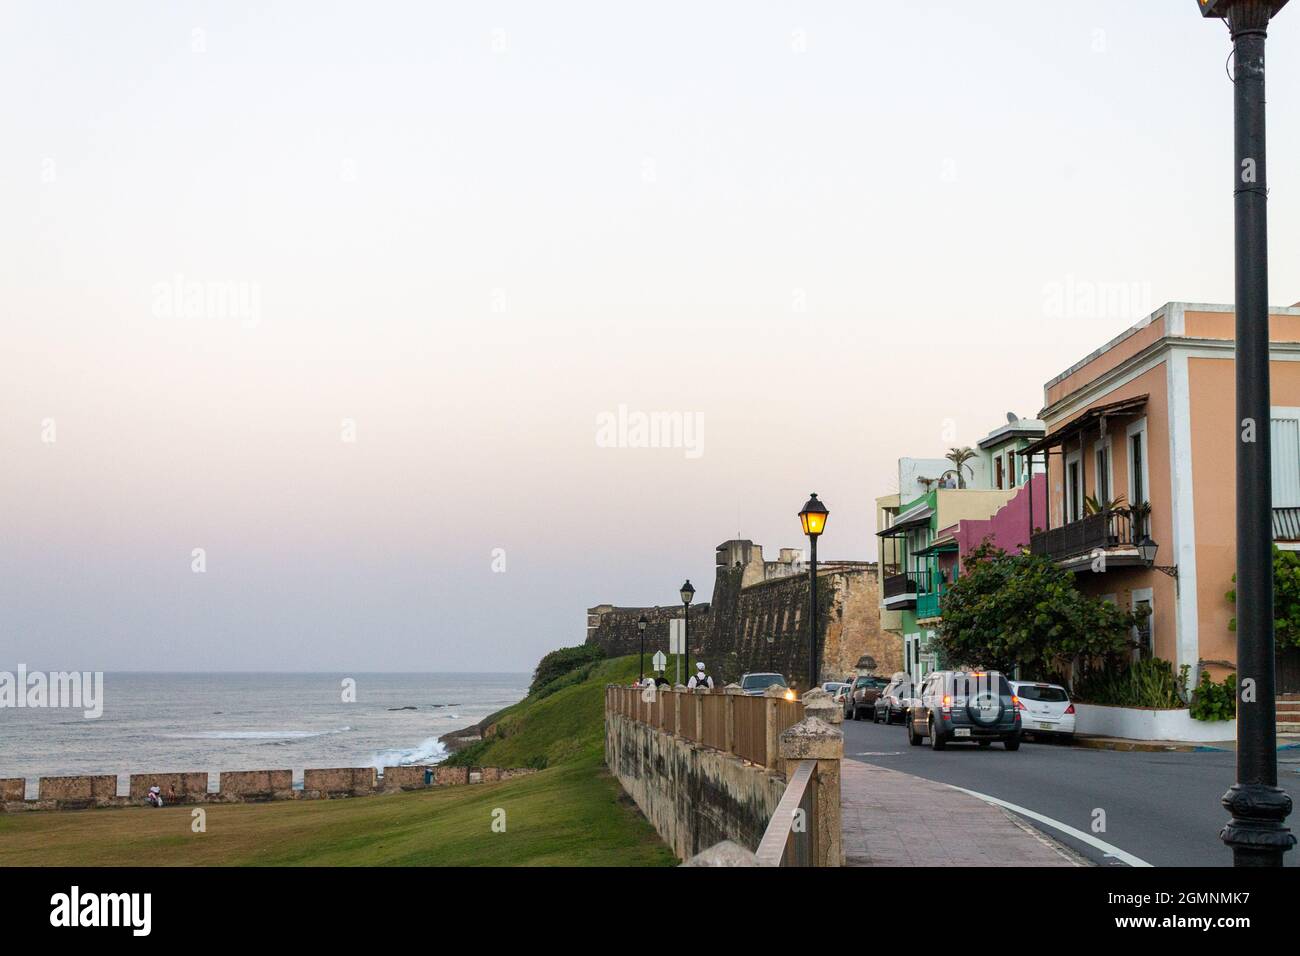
896	819
1284	742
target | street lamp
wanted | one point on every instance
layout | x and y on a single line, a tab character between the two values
688	593
1147	549
771	641
813	519
640	626
1256	831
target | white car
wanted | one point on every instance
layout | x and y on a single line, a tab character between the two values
1044	708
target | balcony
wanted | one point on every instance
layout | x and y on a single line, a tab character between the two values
1075	545
900	590
929	604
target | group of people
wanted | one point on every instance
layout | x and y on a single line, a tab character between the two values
700	678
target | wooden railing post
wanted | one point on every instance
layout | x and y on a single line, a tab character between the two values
729	711
771	699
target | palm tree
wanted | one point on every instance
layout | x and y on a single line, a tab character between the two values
959	457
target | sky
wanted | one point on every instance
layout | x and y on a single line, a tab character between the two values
329	329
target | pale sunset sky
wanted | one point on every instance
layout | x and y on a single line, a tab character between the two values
433	243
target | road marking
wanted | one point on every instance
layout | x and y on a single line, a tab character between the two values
1088	838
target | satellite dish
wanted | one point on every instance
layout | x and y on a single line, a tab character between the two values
1012	418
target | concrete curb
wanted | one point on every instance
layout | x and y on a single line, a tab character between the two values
1162	746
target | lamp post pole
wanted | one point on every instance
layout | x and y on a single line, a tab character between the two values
640	626
813	519
771	641
1256	831
688	593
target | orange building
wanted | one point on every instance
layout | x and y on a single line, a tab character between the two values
1149	419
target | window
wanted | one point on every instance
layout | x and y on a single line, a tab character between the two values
1144	634
1011	469
1101	462
1138	480
1073	488
997	472
1285	438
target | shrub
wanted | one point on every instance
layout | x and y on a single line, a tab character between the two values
560	662
1215	701
1144	683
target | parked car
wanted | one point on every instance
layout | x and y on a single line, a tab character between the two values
754	684
844	689
965	705
862	698
834	688
1045	709
891	706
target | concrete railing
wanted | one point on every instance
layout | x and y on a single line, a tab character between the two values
730	773
239	786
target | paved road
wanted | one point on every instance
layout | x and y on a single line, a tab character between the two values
1160	807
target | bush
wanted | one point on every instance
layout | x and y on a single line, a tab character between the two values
560	662
1215	701
1145	683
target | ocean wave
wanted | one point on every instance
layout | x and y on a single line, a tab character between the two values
429	751
255	734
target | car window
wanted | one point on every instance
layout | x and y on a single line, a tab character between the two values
862	682
1047	694
966	685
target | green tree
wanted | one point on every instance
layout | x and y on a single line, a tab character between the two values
959	457
1021	609
1286	598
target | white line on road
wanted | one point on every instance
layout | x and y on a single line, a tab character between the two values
1087	838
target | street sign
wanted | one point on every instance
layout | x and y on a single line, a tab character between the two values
659	661
677	636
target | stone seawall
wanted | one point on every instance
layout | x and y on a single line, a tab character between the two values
240	786
694	797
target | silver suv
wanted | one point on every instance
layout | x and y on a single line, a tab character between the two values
959	706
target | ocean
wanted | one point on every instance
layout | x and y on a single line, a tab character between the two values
196	722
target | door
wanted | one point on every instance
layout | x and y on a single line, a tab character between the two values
1288	671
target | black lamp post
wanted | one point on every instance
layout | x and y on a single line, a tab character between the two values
1256	832
771	642
813	519
688	593
640	626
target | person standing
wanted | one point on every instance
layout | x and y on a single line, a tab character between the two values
700	678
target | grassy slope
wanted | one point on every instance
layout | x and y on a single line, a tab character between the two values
570	814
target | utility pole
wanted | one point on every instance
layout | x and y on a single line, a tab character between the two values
1257	831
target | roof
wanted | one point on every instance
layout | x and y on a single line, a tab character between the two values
1286	524
913	517
1126	406
1020	428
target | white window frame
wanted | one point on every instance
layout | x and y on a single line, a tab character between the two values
1071	457
1099	445
1138	427
1147	594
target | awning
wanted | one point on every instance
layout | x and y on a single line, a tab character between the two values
1120	409
916	517
1286	524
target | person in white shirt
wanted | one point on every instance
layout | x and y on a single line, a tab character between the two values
701	679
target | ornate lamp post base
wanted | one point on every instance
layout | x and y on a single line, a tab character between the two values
1256	832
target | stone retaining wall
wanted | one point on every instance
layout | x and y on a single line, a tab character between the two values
240	786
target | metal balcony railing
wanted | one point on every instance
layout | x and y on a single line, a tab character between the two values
1105	529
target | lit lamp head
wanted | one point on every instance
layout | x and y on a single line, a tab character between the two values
688	592
1147	550
640	625
813	517
771	638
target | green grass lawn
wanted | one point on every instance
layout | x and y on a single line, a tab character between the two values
573	813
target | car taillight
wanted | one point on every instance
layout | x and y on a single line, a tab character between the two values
1020	704
1070	709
